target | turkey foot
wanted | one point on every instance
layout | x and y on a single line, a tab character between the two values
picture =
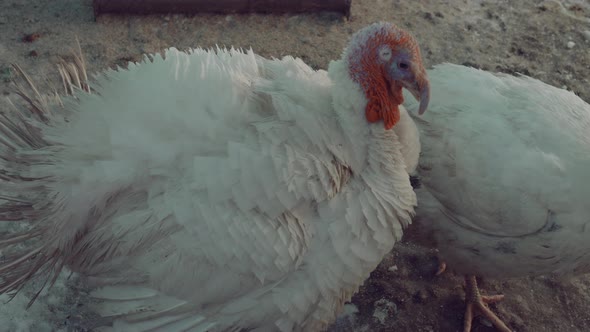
477	302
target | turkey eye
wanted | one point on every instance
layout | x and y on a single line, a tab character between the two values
403	65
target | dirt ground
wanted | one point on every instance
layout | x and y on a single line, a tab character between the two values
548	40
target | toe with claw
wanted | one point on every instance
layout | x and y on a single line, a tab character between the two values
477	303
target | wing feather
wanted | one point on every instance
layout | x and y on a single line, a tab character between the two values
186	171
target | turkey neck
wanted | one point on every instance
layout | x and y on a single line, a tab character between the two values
367	141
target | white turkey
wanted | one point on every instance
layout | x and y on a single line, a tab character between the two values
505	174
216	190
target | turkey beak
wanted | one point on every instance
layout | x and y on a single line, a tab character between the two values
420	88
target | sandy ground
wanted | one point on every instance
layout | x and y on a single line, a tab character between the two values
548	40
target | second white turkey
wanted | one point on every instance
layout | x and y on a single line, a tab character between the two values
505	173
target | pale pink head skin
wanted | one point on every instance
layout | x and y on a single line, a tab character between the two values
383	59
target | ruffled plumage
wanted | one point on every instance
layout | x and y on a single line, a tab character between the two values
210	190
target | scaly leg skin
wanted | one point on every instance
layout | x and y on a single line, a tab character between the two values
477	302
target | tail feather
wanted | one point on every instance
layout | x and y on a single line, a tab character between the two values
145	309
18	133
24	203
26	207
